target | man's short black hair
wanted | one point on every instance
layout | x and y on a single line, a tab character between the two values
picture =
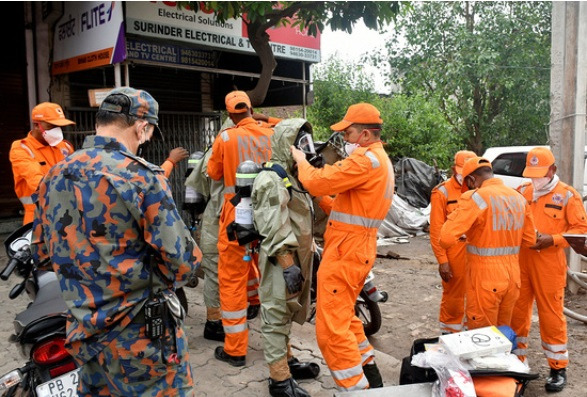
482	171
122	119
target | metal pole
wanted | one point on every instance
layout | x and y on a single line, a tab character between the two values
126	75
304	85
117	77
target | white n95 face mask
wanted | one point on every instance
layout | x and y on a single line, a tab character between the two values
349	148
53	136
540	183
459	178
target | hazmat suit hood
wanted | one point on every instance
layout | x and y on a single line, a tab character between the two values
284	136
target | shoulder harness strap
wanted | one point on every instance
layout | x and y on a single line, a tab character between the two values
280	171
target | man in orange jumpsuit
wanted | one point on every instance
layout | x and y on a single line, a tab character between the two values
33	156
452	263
496	221
557	208
363	184
247	140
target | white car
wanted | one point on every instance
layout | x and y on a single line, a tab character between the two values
508	164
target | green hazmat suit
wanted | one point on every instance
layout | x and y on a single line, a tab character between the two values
213	191
286	224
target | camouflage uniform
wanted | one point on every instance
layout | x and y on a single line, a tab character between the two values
98	212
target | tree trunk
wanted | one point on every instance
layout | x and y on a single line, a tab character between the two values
259	40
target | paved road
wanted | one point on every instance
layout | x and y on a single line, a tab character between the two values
213	378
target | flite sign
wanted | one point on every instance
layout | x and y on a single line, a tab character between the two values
89	34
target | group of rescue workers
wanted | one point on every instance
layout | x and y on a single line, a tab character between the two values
106	222
500	249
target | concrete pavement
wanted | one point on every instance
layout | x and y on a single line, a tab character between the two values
212	377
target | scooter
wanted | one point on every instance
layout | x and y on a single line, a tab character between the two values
367	304
39	329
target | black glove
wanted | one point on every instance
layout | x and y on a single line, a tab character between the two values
293	279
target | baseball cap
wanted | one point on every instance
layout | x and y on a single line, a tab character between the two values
235	98
538	161
359	113
142	105
50	113
460	157
471	165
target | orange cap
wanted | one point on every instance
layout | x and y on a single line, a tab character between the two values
538	161
471	165
234	98
359	113
50	113
460	157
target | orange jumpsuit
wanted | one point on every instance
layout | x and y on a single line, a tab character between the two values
364	185
497	221
31	161
544	272
443	200
248	140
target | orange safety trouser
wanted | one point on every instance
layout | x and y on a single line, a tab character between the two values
494	287
348	258
452	303
544	279
234	274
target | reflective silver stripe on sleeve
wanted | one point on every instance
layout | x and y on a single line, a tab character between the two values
253	281
235	329
366	356
234	315
492	251
25	147
354	219
479	201
225	136
229	190
522	339
347	373
26	200
252	293
554	348
365	344
373	158
443	190
454	327
567	197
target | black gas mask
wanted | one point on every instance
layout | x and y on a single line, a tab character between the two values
305	143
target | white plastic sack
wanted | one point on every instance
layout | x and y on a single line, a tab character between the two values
403	219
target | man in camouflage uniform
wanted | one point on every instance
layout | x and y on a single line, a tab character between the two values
284	218
100	212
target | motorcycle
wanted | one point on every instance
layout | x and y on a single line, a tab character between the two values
39	329
367	304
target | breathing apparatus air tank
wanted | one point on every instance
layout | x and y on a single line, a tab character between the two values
194	202
243	229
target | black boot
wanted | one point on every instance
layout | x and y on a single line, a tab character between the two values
252	311
301	370
373	376
213	330
557	380
235	361
286	388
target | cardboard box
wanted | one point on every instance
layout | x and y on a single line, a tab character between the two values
478	342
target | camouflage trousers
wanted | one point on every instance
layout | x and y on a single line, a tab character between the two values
134	365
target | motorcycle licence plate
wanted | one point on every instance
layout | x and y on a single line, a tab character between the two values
62	386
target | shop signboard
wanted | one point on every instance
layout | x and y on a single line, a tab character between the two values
164	20
90	34
171	54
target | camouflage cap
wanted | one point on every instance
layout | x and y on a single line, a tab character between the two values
142	105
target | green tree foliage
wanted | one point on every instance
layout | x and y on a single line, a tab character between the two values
412	125
486	65
310	16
